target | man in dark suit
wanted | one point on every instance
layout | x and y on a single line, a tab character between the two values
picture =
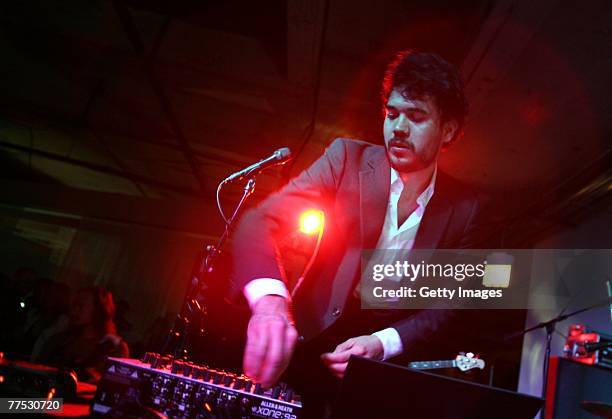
390	197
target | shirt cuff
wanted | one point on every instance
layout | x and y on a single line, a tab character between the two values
391	341
260	287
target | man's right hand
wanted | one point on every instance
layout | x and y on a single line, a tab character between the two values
271	338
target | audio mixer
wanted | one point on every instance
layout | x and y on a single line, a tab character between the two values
182	389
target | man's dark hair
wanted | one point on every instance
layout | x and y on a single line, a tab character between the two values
421	75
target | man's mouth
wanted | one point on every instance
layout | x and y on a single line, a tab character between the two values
400	146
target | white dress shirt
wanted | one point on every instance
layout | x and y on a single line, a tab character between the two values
392	236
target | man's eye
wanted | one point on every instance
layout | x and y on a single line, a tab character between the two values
418	117
392	115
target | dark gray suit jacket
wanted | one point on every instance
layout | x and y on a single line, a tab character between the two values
350	183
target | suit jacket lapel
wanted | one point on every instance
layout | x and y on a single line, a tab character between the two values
435	220
374	184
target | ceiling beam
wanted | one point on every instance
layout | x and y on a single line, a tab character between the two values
504	35
30	199
306	23
23	114
147	64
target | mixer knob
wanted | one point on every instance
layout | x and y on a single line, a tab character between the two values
276	392
247	385
217	378
239	383
227	380
197	372
289	395
157	362
177	367
209	402
245	404
148	357
187	369
258	389
232	408
165	361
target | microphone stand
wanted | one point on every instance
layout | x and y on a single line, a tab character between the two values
184	323
549	326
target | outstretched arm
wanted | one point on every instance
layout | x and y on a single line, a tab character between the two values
271	335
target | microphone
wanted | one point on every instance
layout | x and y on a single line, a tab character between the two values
280	156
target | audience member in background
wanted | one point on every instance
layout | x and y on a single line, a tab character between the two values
49	300
88	338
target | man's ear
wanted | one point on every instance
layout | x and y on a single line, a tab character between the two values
449	131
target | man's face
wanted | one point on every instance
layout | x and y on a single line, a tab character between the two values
414	132
82	309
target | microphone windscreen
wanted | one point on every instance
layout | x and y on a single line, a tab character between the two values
283	154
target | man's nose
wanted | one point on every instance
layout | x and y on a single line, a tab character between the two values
402	128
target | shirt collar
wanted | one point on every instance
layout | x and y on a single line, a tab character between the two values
397	186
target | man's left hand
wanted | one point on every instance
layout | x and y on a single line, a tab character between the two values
367	346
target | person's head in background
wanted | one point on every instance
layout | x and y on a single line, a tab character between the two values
93	309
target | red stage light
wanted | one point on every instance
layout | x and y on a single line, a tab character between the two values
311	221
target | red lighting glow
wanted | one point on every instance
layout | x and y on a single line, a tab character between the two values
311	221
